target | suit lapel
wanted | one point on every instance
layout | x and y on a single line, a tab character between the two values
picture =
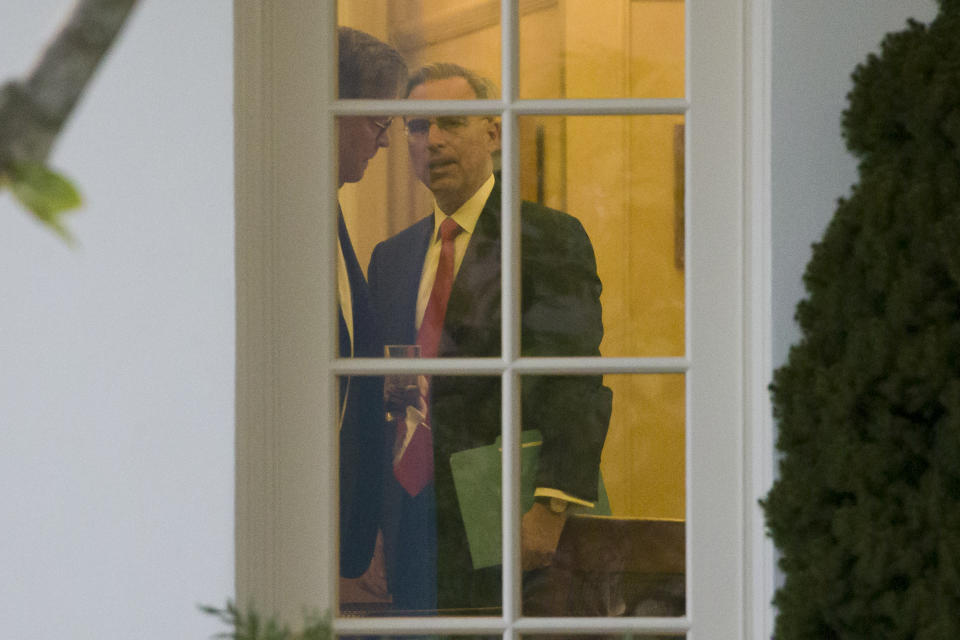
410	277
364	339
472	323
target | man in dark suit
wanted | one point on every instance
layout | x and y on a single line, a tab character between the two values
368	68
428	560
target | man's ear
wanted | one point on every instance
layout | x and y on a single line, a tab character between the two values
493	133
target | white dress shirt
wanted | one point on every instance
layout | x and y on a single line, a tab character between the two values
466	216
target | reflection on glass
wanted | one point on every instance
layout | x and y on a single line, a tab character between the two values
603	525
424	31
621	177
589	49
415	544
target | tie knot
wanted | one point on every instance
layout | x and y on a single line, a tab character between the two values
449	229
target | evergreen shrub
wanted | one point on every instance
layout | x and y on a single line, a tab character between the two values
866	510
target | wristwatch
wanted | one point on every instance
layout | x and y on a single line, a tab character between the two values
556	505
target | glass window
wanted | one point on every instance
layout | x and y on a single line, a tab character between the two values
622	179
426	31
612	477
589	49
601	273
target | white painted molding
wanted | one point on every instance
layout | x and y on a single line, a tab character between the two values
285	234
714	272
285	326
758	321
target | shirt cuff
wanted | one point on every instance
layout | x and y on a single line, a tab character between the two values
544	492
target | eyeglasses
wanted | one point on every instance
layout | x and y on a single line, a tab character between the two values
420	127
383	124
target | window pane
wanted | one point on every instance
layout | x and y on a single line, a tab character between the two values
606	501
589	49
420	497
364	449
630	49
466	32
387	200
622	178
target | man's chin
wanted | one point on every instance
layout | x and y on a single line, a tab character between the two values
441	178
439	186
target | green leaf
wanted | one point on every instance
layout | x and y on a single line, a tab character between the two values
252	626
45	193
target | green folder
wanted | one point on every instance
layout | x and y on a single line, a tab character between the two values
476	478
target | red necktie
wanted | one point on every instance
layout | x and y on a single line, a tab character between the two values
413	465
431	327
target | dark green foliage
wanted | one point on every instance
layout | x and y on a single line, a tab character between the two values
866	511
252	626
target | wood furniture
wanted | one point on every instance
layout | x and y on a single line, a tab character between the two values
604	566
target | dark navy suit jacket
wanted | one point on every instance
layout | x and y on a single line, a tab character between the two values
362	444
560	316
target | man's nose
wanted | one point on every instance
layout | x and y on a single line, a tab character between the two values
434	134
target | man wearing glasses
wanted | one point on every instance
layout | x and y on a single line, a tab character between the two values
438	284
368	68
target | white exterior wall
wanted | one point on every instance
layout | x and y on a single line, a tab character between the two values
116	357
816	46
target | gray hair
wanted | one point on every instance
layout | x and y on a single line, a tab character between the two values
482	87
368	67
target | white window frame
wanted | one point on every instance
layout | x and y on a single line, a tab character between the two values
286	366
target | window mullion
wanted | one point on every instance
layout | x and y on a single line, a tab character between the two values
510	296
485	625
572	365
545	107
603	106
510	503
404	107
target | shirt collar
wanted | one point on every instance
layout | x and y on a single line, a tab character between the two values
468	213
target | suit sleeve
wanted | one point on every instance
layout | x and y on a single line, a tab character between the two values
562	317
383	294
373	278
363	450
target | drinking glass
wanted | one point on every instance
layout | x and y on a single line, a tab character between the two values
400	389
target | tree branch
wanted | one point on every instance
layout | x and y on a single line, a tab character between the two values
33	110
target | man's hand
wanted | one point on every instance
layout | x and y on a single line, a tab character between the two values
396	398
539	534
372	585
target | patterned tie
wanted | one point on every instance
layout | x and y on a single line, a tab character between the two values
413	455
